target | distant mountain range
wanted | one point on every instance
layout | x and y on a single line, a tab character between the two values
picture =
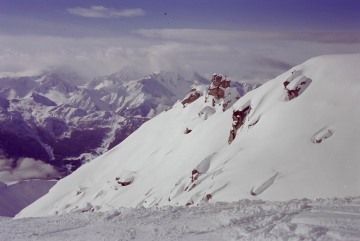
59	119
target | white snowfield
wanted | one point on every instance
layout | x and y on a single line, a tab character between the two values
323	220
276	154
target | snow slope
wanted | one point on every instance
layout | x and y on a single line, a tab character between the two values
322	220
273	157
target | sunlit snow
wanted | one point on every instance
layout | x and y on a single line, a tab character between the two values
296	148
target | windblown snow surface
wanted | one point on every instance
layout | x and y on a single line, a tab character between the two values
322	219
287	148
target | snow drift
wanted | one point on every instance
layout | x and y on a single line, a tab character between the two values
275	155
335	219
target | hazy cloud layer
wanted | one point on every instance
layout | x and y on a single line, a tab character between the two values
207	35
241	55
99	11
326	37
26	168
271	63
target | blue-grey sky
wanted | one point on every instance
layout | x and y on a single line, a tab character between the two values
251	40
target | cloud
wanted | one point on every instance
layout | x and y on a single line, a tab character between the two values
99	11
241	55
25	168
350	37
203	35
209	35
100	56
271	63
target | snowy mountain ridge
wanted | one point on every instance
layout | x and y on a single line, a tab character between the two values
293	137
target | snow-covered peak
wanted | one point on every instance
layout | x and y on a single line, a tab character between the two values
293	137
146	96
125	74
114	81
89	100
18	87
55	81
173	81
40	99
67	74
244	87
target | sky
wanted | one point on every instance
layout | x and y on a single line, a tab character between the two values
248	40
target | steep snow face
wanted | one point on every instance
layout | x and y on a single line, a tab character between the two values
273	156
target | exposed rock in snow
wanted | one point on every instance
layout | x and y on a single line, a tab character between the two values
296	84
239	117
221	93
42	100
321	135
187	131
125	178
191	97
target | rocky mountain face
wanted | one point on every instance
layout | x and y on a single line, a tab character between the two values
61	120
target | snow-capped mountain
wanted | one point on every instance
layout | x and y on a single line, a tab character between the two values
58	119
293	137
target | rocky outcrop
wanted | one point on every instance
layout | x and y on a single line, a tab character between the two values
42	100
218	86
296	84
238	117
191	97
220	93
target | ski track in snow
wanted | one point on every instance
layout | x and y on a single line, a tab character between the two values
323	219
